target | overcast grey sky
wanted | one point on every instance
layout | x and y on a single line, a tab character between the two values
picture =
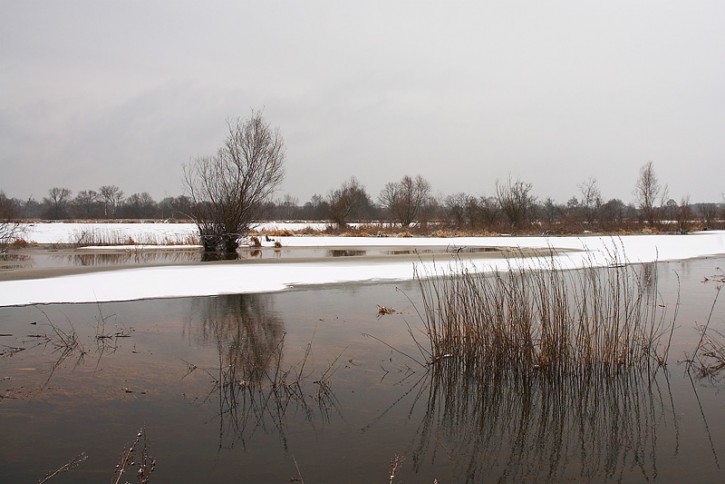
125	92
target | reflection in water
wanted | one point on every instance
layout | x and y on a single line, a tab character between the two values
12	261
546	375
254	392
345	253
219	256
140	255
127	257
555	429
247	333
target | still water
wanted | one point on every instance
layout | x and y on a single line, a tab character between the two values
316	385
124	257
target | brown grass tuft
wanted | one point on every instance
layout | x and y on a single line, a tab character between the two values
540	320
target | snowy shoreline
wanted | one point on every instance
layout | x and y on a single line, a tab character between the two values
210	280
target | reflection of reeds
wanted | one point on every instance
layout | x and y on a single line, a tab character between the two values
578	428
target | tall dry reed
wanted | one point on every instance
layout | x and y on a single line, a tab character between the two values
538	319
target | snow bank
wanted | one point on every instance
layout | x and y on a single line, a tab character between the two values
143	233
72	232
215	279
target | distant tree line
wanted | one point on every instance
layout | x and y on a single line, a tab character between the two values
409	202
106	203
230	190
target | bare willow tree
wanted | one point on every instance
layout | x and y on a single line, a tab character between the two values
229	189
406	199
350	200
647	189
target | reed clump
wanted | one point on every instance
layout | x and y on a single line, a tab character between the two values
537	320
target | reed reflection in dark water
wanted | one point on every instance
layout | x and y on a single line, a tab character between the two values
552	430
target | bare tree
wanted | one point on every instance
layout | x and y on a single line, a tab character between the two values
516	202
139	205
455	209
591	199
350	200
289	203
709	213
612	213
229	188
175	207
551	212
683	215
316	208
86	203
647	190
57	202
483	212
406	198
111	196
10	228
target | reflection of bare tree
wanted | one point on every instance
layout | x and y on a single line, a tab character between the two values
246	333
345	253
254	391
576	429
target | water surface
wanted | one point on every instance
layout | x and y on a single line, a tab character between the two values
315	384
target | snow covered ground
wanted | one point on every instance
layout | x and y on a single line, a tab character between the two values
215	279
144	233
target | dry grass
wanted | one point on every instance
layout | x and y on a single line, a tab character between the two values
113	237
136	457
542	321
68	466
